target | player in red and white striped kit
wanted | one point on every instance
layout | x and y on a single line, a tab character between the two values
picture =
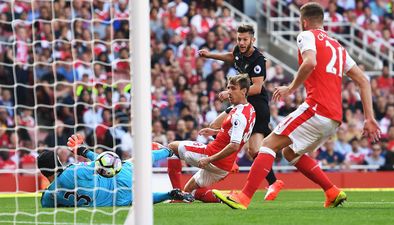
323	61
217	158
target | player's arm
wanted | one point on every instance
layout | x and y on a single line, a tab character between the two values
257	75
371	127
257	85
238	127
225	152
307	47
227	57
217	122
356	74
308	65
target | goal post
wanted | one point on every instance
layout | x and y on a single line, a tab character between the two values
62	63
142	211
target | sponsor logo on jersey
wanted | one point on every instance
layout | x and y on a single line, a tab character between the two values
236	123
257	69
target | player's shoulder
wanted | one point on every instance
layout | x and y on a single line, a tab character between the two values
241	110
250	107
305	35
257	54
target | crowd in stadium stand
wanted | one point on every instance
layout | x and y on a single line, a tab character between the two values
79	80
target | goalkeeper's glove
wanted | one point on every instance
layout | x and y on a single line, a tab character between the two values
76	145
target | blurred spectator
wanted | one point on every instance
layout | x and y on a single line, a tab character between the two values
332	16
170	113
364	146
202	22
158	133
7	100
380	106
275	117
367	17
346	4
390	144
92	117
126	144
353	132
385	81
181	131
378	7
288	107
214	112
227	20
170	136
376	157
57	136
355	157
6	162
180	6
102	128
385	122
329	156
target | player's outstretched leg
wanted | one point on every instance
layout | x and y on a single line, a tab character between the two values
234	201
259	170
205	195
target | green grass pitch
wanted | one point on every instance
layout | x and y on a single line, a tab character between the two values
372	207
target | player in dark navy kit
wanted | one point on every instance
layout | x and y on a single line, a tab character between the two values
248	59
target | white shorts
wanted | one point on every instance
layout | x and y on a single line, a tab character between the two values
306	129
191	152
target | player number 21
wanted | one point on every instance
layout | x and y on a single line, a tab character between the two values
330	68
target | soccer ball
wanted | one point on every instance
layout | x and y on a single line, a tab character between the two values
108	164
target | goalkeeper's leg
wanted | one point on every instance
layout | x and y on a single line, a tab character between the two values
161	153
175	194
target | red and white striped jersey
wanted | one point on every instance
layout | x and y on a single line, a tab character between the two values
324	84
236	128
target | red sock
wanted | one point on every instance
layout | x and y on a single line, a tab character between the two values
174	172
260	168
307	166
205	195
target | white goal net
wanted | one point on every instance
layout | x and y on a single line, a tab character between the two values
64	68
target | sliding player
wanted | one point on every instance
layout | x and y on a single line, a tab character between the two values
217	158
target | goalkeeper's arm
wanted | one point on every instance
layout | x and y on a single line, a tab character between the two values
87	153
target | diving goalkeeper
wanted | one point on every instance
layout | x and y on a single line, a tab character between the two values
78	185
